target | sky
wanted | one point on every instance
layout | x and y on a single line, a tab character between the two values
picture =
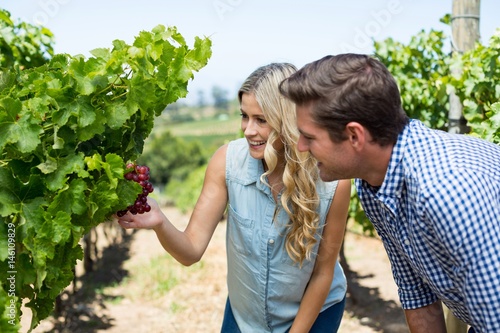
245	34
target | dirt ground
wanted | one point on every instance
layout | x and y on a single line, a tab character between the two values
117	303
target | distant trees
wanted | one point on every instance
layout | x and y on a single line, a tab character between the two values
201	102
220	100
171	157
220	97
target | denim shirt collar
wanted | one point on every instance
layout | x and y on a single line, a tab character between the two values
254	169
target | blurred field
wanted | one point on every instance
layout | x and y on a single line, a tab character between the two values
210	131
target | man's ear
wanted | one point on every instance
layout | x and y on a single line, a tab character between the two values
356	134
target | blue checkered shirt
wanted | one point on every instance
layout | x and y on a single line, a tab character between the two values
438	215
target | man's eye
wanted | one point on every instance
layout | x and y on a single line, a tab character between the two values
308	138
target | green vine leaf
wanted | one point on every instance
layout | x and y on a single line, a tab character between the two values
67	129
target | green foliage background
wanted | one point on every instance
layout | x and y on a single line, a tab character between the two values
67	129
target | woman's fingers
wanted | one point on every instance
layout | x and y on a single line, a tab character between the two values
146	220
126	221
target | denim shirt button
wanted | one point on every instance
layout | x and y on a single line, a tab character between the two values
271	241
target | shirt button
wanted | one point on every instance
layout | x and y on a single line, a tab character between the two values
407	241
271	241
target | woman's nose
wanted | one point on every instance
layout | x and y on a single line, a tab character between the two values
250	128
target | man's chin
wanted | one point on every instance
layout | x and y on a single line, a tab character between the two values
326	177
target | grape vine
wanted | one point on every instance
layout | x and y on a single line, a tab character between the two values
67	130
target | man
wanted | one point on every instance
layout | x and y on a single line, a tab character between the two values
433	197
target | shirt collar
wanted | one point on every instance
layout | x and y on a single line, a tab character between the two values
254	169
394	178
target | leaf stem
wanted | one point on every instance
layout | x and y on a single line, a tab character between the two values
118	96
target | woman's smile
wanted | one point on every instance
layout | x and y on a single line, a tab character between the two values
256	144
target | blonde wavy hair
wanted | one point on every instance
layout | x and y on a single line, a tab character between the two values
299	198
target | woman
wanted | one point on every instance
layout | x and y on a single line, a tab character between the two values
285	226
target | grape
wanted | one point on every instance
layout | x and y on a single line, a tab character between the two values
138	174
120	213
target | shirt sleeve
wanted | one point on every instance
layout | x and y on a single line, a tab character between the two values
412	290
465	210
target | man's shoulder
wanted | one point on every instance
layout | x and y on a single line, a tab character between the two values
432	148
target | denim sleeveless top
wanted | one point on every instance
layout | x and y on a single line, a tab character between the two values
265	286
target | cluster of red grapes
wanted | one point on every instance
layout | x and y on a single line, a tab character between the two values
139	174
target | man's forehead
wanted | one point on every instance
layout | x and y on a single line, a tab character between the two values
309	128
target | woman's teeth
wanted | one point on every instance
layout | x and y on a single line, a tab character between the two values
256	143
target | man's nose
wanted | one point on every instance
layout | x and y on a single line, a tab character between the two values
302	144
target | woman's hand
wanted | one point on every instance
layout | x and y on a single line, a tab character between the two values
150	220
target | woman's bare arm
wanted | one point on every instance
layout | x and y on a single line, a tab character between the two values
188	246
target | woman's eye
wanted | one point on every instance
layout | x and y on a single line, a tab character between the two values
243	115
262	121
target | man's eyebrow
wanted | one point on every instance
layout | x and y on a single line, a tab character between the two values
305	133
